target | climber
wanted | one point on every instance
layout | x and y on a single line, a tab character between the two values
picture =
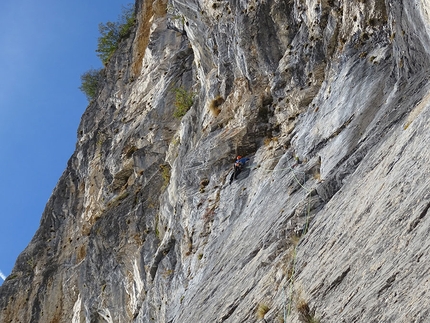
237	167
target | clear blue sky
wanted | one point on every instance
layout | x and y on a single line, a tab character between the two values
45	46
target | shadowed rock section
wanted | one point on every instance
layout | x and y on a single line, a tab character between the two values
329	219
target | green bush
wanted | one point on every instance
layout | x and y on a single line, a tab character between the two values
90	82
183	101
113	32
165	173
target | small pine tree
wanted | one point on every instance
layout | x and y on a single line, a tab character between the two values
91	83
127	21
108	41
113	32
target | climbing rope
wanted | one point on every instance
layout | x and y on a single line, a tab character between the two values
288	301
287	312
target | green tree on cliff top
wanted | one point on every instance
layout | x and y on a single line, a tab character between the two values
111	34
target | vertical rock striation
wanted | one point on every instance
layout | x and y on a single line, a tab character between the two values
329	99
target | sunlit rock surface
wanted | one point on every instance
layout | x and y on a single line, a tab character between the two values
329	219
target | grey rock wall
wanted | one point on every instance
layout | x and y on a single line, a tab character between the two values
328	221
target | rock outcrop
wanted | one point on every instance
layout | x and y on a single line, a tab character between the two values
329	99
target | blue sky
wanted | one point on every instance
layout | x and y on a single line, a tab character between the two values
45	46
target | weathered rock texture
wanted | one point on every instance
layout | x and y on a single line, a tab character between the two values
329	98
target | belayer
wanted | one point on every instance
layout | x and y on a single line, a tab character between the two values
237	167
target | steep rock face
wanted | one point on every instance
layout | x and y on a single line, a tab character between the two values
330	101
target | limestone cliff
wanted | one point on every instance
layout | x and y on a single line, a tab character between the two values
329	219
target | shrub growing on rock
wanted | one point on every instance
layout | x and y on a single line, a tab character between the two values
306	314
90	82
214	105
111	35
165	173
183	101
262	309
113	32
